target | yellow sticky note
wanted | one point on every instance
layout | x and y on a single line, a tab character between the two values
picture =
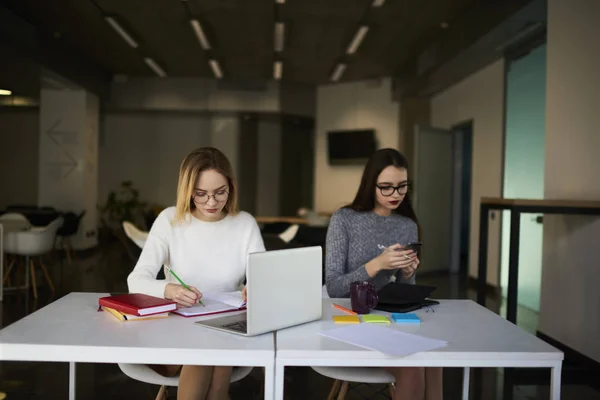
346	319
375	319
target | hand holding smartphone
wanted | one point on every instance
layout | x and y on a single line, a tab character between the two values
415	246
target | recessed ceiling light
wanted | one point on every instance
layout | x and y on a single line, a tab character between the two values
216	68
4	92
378	3
280	1
200	34
119	29
338	72
279	36
277	70
358	38
444	25
155	67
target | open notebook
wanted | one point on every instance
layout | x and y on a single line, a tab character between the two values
215	303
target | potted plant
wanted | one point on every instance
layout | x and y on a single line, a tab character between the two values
123	204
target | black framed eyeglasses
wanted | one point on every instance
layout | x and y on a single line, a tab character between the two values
388	190
202	198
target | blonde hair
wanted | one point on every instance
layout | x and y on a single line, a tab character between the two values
198	161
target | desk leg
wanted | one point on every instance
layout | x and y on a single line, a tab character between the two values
513	266
71	381
466	381
555	382
484	212
279	381
270	377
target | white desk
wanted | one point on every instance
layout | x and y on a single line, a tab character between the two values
72	330
476	338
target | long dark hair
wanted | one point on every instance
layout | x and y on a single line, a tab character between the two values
365	196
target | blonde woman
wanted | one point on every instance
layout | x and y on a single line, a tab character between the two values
206	240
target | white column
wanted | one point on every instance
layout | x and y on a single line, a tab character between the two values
570	273
68	167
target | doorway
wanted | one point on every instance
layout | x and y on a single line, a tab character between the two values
297	165
462	197
524	162
442	196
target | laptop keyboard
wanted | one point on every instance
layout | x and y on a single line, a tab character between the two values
239	326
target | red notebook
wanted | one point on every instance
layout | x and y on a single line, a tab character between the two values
138	304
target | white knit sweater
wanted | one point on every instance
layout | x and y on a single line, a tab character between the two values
211	256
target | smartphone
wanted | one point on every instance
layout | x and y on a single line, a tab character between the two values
416	246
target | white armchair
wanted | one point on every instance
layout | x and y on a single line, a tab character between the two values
138	236
34	242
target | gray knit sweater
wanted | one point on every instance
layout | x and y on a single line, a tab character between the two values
352	240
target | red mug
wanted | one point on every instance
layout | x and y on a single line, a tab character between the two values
363	297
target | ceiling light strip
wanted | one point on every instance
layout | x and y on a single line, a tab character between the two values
4	92
216	69
358	38
122	32
279	36
155	67
200	34
338	72
277	70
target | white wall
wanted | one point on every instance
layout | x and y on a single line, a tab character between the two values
148	149
570	300
354	105
480	98
19	150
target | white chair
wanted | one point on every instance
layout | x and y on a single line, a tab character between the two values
10	218
144	373
138	236
342	376
11	222
290	233
34	242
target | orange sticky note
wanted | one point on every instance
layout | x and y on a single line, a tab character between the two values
346	319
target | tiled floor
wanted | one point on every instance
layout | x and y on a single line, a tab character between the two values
106	270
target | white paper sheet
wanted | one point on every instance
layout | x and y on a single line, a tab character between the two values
214	303
384	339
234	299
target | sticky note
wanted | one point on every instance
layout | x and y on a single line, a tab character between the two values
346	319
375	319
408	318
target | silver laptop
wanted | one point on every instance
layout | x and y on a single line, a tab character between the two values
284	289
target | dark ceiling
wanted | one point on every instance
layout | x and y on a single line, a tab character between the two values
241	33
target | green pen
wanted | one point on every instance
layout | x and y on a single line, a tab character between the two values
180	281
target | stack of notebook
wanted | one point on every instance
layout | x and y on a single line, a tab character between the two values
135	307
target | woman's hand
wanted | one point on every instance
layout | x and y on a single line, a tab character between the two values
245	293
410	270
393	257
181	295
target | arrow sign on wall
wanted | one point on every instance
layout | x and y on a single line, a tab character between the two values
65	167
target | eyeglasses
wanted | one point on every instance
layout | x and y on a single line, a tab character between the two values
202	198
387	190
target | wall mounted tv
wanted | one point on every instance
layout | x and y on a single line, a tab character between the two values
350	147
